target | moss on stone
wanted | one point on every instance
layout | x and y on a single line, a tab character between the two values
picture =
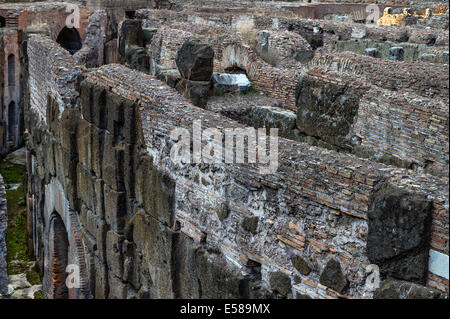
38	295
33	278
12	173
18	257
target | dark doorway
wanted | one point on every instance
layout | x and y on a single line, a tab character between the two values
11	121
2	22
70	40
11	70
130	14
59	257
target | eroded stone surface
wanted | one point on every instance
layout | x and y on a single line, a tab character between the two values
399	233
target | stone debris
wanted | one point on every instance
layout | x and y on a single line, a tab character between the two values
226	83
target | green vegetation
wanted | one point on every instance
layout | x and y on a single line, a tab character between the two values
18	257
33	278
12	173
38	295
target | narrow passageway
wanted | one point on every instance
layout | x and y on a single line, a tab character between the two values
24	280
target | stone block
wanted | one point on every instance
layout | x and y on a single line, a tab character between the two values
273	117
333	278
197	92
195	61
115	209
156	191
398	289
399	233
250	224
155	242
131	33
117	288
84	143
373	52
280	282
301	265
326	109
396	54
114	254
112	163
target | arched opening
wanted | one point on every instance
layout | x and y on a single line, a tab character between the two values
2	22
59	256
11	120
70	39
11	70
130	14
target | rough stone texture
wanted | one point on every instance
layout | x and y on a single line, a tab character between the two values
3	225
195	61
399	233
397	289
326	109
142	227
197	92
92	53
250	224
337	209
274	117
333	277
396	54
131	33
301	265
281	283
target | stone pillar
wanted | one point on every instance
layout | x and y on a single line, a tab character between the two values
373	52
396	54
264	45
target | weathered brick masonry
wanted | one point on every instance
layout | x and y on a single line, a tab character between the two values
396	127
104	194
332	189
422	78
233	51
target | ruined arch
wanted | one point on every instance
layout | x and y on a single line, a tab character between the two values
59	257
70	39
11	120
235	57
11	70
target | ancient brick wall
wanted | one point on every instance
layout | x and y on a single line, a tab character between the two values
343	202
3	225
140	226
51	76
52	71
11	110
55	16
422	78
232	51
395	127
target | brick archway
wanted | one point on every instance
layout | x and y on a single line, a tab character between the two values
59	256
